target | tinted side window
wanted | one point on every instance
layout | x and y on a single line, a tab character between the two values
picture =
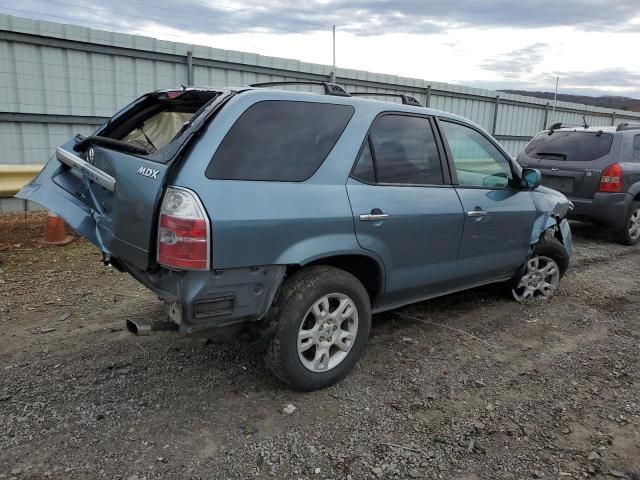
279	141
364	169
636	148
478	162
405	151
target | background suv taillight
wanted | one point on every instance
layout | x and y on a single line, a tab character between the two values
184	239
611	180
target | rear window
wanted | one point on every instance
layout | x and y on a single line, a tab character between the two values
570	146
157	120
279	141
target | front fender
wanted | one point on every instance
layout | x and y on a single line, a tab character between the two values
552	207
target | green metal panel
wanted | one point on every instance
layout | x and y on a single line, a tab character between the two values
76	76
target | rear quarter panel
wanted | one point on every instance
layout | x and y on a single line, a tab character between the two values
630	166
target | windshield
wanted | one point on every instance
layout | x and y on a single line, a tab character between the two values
570	146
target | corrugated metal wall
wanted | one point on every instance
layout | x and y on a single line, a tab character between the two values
57	80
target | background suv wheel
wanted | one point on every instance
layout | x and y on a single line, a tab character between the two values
630	234
323	317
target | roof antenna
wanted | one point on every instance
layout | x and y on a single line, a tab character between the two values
584	121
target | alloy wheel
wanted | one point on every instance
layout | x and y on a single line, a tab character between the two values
634	224
327	332
540	280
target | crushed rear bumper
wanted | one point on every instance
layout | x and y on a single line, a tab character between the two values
204	300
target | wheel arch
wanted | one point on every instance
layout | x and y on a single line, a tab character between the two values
368	269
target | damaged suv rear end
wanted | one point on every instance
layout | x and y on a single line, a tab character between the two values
292	217
111	187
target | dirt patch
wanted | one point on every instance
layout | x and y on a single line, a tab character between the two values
19	231
551	391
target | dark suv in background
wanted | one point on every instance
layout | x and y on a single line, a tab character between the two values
598	168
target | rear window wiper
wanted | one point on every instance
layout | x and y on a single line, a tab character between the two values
83	144
551	154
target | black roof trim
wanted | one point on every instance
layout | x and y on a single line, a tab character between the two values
627	126
406	99
329	88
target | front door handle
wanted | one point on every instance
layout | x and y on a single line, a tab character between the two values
476	213
373	217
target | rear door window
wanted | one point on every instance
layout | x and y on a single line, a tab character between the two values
570	146
636	148
279	141
401	150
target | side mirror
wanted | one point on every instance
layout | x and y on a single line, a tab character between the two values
530	178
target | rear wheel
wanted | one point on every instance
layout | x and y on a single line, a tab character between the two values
542	273
323	317
630	234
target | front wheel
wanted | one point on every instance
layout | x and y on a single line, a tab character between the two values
542	273
323	318
630	234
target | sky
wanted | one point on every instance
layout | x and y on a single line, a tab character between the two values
517	44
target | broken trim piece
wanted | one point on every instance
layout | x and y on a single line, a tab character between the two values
92	173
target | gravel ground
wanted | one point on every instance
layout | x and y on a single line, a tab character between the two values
549	390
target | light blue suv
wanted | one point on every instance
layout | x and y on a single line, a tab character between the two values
291	217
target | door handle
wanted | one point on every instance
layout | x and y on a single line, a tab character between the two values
476	213
373	217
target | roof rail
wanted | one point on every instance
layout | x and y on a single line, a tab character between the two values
406	99
329	88
558	125
627	126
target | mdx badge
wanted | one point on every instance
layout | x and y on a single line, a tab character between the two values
148	172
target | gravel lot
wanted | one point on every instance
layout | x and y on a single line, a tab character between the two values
549	390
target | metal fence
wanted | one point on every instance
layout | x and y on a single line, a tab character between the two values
57	80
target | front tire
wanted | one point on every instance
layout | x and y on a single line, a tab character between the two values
630	234
323	319
542	272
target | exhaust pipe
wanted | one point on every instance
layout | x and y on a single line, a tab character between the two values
145	327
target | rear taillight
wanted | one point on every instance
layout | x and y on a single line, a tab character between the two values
183	231
611	180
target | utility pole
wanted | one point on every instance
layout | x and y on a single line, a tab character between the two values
333	70
555	99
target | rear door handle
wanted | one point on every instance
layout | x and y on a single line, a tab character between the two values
476	213
373	217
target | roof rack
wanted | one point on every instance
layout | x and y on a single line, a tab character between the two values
329	88
406	99
558	125
627	126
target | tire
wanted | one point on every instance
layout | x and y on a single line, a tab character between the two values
542	272
293	313
552	248
630	234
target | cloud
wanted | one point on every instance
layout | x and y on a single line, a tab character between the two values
517	63
604	82
610	77
361	17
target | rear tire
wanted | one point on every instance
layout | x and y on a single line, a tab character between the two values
630	234
323	318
